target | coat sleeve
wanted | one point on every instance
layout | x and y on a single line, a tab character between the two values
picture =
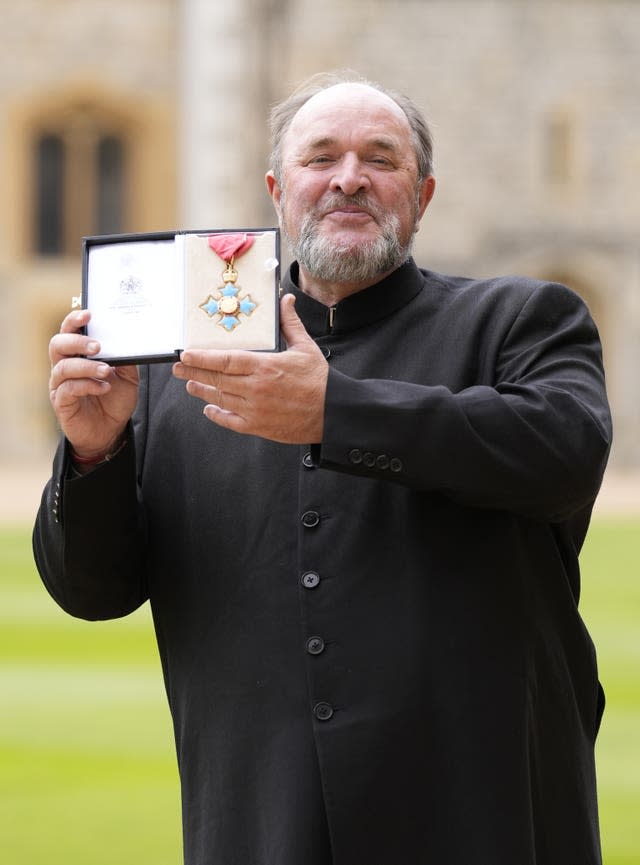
534	439
89	538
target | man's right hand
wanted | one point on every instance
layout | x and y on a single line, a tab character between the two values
93	401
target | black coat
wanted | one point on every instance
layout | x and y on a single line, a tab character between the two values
378	634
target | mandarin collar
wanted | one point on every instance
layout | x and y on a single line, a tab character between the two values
360	309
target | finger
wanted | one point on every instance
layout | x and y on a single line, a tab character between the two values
229	362
70	341
292	328
206	377
76	368
220	398
75	320
226	419
202	391
70	391
196	374
71	345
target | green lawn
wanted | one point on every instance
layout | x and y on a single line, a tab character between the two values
611	608
87	766
87	763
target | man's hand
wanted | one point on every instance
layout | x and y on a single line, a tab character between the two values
92	400
276	396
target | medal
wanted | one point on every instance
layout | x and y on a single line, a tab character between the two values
226	303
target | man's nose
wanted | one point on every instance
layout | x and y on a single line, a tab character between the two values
350	176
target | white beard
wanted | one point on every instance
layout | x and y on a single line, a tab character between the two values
331	261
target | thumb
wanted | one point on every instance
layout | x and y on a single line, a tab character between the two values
292	328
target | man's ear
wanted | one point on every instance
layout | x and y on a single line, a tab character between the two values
427	189
274	190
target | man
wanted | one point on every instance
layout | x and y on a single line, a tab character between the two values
362	561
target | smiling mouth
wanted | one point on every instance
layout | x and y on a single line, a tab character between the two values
356	206
349	212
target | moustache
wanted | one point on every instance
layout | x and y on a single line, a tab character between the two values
337	201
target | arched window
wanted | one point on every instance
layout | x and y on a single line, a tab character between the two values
79	181
110	180
49	169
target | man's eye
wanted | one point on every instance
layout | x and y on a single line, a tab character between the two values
320	160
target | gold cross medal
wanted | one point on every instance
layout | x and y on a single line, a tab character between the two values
227	303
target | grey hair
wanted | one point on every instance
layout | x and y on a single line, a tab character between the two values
283	113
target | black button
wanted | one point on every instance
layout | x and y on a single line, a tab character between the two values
369	459
395	465
310	579
326	351
307	461
315	645
355	456
323	711
310	519
382	462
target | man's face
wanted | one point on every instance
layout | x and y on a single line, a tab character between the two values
350	201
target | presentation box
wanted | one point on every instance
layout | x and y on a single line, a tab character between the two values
153	295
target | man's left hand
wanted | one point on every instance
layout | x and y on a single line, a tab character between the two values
277	396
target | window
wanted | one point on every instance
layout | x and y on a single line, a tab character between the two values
79	181
49	194
110	180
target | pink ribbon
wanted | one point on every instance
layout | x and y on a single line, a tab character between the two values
230	246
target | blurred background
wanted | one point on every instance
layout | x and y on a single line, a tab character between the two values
136	116
143	115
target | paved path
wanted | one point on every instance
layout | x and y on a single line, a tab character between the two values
21	488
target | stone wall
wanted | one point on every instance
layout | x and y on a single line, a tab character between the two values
537	125
533	104
66	62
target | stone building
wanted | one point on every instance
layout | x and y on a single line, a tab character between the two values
123	116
